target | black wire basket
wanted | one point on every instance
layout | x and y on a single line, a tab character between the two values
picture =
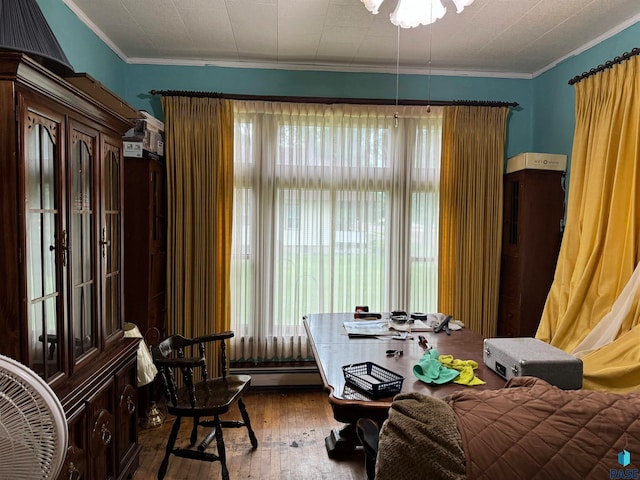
372	379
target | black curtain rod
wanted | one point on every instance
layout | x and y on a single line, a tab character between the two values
329	101
606	65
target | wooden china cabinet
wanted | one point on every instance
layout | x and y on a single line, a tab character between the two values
61	260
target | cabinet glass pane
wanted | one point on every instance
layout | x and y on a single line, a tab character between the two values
44	349
36	249
48	254
111	243
45	247
82	314
82	247
38	340
34	169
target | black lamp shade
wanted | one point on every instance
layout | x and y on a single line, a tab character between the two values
23	28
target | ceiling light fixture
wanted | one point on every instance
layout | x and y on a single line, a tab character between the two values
411	13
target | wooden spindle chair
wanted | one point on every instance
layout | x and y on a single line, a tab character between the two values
199	397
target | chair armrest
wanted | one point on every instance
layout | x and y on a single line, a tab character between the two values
187	362
213	337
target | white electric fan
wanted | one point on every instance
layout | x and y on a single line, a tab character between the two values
33	426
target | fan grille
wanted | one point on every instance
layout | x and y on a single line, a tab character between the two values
33	432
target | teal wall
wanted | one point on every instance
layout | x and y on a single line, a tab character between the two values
543	121
84	50
554	106
144	78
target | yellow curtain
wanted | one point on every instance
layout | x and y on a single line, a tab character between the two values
199	155
600	249
473	141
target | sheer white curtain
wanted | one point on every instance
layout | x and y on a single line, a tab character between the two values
334	206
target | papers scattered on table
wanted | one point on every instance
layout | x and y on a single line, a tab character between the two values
416	326
375	328
367	328
386	326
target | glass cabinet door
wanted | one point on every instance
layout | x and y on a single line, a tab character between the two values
82	273
111	240
45	246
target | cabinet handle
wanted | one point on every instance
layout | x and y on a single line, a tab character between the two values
74	474
105	435
104	242
131	405
64	247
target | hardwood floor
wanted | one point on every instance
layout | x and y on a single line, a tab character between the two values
290	425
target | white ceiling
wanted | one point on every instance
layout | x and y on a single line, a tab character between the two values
519	38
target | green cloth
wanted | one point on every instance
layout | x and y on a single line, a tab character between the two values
465	367
430	370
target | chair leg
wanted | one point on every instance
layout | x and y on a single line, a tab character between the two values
194	431
247	422
169	448
368	432
222	453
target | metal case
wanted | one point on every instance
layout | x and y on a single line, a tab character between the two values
527	356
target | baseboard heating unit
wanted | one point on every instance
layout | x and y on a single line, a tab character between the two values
281	376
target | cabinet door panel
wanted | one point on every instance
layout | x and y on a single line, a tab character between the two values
46	242
157	273
127	418
102	431
75	464
82	225
533	210
157	210
509	312
145	245
111	241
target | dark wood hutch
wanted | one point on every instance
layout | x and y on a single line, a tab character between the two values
531	236
61	305
145	260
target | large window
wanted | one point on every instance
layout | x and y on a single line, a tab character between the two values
334	206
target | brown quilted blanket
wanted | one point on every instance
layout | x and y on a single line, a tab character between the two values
532	430
419	440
